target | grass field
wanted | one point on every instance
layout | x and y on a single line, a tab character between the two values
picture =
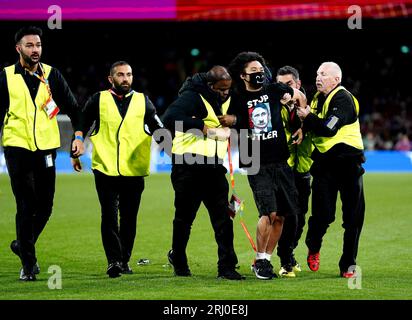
72	241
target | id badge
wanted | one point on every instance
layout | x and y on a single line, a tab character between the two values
49	160
51	108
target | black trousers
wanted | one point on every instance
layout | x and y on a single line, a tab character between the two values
293	225
32	176
344	177
192	185
118	194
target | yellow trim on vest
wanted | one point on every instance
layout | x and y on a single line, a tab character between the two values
185	142
300	155
26	124
121	146
348	134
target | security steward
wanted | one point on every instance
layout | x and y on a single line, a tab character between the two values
199	147
300	160
337	166
124	122
31	95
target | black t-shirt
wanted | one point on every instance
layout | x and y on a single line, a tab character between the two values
260	113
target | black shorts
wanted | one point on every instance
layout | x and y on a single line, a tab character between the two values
274	190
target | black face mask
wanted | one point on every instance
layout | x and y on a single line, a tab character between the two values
256	79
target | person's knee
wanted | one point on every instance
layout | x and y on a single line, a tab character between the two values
181	223
273	218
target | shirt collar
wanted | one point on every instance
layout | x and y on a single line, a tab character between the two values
19	69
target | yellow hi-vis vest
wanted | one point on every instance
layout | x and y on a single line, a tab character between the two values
299	158
26	124
348	134
121	146
185	142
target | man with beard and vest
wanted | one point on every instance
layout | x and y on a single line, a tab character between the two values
300	160
199	147
124	122
333	119
31	94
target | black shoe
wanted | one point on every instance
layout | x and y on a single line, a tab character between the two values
27	276
263	270
114	270
180	271
126	268
15	248
230	274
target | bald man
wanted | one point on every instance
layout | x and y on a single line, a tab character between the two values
333	119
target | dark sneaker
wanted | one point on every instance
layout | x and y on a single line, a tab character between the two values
262	269
230	275
286	271
313	260
114	270
15	248
126	268
27	276
274	275
180	271
36	268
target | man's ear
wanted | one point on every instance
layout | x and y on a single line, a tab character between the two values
110	78
18	49
299	84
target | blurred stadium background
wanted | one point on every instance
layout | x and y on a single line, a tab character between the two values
167	40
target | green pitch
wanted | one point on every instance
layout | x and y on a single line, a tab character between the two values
71	241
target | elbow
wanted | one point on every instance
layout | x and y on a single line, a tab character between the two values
329	133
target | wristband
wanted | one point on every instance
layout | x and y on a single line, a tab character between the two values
79	138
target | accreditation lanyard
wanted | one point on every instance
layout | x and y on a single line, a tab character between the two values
42	79
49	106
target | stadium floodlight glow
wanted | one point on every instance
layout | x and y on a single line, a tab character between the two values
194	52
405	49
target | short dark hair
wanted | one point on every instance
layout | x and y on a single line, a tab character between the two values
116	64
30	30
288	70
216	74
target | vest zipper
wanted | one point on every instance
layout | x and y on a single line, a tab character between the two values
118	147
34	127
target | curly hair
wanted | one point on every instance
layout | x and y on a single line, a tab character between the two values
238	65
